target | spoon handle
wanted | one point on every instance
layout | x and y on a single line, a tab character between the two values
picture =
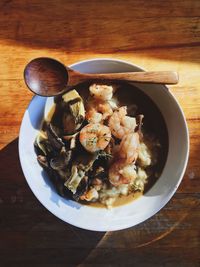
161	77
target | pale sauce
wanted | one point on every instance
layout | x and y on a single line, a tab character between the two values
121	200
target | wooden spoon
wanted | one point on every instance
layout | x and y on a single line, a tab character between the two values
49	77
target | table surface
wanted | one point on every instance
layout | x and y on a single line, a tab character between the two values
157	35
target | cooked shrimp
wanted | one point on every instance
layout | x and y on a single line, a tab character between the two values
98	111
120	124
91	194
129	147
95	136
121	173
101	92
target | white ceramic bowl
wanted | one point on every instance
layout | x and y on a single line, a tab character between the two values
123	216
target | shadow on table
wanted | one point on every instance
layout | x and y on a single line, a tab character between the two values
101	27
32	233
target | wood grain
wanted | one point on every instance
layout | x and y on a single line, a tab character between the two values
161	77
156	35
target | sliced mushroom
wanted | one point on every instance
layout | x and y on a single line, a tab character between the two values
53	137
82	188
99	172
82	164
61	163
57	182
42	144
68	122
77	175
43	161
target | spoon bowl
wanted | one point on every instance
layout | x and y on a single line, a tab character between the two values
48	77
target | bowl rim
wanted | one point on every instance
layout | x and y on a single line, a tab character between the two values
170	195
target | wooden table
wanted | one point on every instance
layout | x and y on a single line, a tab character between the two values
157	35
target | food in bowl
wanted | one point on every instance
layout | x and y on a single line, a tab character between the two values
103	143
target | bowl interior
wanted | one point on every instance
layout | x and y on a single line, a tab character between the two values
120	217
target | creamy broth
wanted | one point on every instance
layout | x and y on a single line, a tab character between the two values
120	201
